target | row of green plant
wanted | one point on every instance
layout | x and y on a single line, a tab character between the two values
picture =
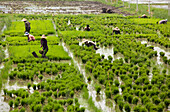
38	27
133	70
102	24
55	52
50	95
16	41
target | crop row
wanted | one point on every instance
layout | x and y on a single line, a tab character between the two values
50	95
38	27
134	72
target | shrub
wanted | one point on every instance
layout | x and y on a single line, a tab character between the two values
16	103
40	77
127	108
37	108
57	107
108	94
167	102
98	88
82	109
76	100
22	109
72	94
121	104
11	103
116	82
162	54
135	100
69	101
55	94
89	78
28	85
34	86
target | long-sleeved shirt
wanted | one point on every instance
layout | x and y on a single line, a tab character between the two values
44	43
27	26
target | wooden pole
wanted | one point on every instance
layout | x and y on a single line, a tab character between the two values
149	7
136	5
129	3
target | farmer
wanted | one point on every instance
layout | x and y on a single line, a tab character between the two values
30	37
27	25
44	45
116	30
90	43
163	21
144	16
87	28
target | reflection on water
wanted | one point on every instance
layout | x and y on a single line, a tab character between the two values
146	1
161	6
158	49
4	107
99	104
105	51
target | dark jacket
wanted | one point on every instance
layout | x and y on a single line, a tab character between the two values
44	44
27	26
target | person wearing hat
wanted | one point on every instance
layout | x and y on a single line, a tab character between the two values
144	16
27	25
116	30
87	28
90	43
30	37
163	21
44	45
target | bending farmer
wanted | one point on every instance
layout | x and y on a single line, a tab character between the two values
163	21
27	25
87	28
44	45
90	43
30	37
116	30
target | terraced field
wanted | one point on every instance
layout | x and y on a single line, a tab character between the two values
129	72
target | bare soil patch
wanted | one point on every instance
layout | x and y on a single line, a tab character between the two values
56	7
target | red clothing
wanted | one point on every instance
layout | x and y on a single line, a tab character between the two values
31	37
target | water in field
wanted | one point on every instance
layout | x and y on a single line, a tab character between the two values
158	49
159	2
105	51
3	28
146	1
102	102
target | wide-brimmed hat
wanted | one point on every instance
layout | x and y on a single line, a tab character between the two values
26	33
84	40
43	36
24	19
116	28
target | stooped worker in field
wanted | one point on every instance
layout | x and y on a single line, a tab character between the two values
44	45
27	25
144	16
116	30
90	43
163	21
30	37
87	28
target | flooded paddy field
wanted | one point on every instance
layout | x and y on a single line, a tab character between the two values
59	7
125	71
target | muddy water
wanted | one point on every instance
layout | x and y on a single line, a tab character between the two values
120	90
4	28
151	2
59	8
69	22
99	104
158	49
4	107
105	51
